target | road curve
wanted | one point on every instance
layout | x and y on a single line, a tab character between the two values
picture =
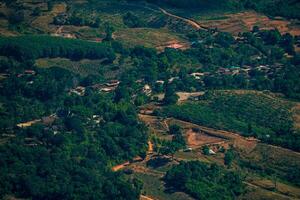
189	21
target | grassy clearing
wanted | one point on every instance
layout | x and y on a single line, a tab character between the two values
148	37
42	22
280	187
254	193
273	163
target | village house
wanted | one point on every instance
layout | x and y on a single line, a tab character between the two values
224	71
263	68
211	152
106	87
239	38
246	69
160	82
113	83
97	119
64	35
147	90
27	72
170	80
188	149
78	90
197	75
139	81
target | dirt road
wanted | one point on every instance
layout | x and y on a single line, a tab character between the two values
125	164
189	21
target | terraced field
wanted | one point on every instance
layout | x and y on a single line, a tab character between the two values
244	21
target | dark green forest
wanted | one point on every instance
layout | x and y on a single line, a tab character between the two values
41	46
71	158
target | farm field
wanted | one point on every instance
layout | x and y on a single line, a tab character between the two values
153	38
245	21
263	157
262	187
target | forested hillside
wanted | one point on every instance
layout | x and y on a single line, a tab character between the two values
142	99
68	157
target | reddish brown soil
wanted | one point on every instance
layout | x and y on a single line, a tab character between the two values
196	140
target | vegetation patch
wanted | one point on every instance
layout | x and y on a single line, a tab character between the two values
84	67
39	46
256	115
148	37
204	181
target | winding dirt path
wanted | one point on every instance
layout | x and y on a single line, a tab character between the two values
189	21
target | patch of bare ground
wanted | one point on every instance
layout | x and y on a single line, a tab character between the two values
296	115
183	96
246	144
156	126
245	21
174	44
205	136
198	139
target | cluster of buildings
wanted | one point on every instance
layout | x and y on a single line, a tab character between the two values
234	70
27	72
106	87
103	87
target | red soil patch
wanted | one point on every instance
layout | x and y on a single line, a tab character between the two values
119	167
196	140
174	44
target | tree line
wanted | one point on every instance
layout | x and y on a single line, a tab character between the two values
40	46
